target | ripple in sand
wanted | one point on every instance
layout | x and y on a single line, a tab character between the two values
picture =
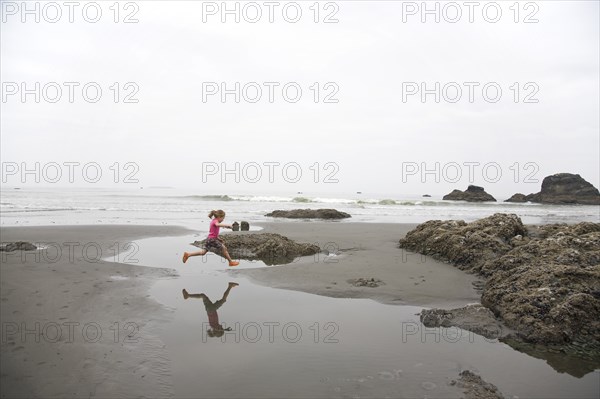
385	375
428	386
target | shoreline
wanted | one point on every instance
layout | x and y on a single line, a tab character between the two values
76	326
100	294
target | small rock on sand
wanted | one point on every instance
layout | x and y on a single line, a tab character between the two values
475	387
17	246
365	282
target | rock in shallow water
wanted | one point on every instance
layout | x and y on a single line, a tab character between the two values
476	388
309	214
474	318
273	249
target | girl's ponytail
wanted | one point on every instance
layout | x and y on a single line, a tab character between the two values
218	213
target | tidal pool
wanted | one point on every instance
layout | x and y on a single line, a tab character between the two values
285	343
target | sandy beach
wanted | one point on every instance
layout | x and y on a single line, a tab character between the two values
67	316
367	251
76	327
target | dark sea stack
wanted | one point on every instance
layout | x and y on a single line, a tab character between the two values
309	214
472	194
518	197
273	249
235	226
245	226
426	196
542	282
566	188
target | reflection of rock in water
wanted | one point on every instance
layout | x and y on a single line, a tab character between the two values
543	282
577	362
272	249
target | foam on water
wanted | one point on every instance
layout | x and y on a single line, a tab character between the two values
55	206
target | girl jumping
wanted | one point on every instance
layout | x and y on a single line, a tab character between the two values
213	242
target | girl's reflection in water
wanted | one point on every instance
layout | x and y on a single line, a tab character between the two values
216	329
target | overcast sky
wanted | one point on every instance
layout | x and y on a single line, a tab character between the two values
367	61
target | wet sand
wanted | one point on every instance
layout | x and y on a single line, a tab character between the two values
164	354
366	250
76	327
66	314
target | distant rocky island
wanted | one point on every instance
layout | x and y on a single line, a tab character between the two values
471	194
562	188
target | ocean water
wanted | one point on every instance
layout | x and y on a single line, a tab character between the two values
164	206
